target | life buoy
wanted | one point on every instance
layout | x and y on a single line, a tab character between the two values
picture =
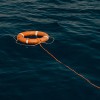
22	37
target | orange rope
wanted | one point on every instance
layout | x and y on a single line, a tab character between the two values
70	68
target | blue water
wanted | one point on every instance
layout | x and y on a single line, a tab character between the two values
29	73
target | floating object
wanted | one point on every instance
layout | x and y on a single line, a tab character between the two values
45	37
32	41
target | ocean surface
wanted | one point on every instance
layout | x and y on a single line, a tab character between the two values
29	73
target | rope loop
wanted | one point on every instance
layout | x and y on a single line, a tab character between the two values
53	39
13	36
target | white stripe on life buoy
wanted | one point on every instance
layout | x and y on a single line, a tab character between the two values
22	34
46	37
27	41
36	32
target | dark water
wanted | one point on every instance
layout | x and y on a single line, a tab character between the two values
28	73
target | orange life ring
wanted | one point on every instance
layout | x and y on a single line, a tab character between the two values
22	37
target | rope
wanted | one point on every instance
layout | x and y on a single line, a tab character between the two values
98	87
13	36
51	41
